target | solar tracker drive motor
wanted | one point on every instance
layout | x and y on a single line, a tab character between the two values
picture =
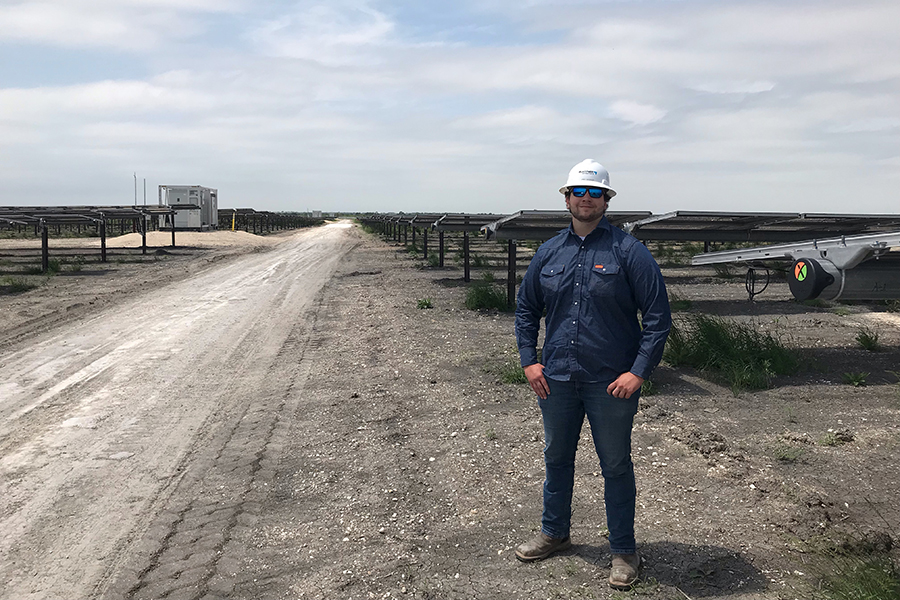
860	267
875	279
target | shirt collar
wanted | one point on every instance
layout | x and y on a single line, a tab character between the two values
602	226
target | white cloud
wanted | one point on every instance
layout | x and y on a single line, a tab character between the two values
325	33
636	113
125	24
734	87
699	96
99	99
530	118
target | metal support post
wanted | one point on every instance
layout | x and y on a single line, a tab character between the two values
143	234
511	274
441	248
102	238
413	227
405	235
425	243
45	247
466	277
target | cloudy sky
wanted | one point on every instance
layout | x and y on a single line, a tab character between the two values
453	106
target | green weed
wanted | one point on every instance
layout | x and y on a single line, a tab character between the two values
54	266
643	586
865	577
366	227
854	378
677	303
836	438
648	388
434	260
787	453
77	264
841	311
790	413
424	303
738	354
490	434
868	339
512	372
815	303
485	295
15	285
724	271
487	276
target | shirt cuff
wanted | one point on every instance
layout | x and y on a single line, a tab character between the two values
641	368
528	356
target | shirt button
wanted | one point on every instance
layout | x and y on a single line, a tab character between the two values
577	284
576	302
573	322
572	342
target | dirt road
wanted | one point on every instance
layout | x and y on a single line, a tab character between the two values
141	432
290	424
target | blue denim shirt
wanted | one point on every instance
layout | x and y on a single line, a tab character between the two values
592	291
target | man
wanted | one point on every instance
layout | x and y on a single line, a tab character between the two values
592	278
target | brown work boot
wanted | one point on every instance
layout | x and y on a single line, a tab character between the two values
541	547
624	570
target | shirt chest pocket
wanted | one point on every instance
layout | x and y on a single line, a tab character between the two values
604	279
551	277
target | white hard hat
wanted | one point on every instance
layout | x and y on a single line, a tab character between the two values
589	173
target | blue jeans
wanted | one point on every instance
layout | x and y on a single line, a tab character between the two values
611	420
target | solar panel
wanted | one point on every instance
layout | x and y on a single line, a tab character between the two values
755	227
465	222
544	224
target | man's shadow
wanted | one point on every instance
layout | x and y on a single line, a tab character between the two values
698	571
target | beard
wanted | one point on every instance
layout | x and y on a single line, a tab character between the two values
588	215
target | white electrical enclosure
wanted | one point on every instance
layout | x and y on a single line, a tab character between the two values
196	207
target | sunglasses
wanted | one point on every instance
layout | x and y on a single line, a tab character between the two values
579	192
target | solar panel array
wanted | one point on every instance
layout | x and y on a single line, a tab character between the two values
756	227
694	226
699	226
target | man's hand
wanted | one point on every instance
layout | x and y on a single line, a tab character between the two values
624	386
535	376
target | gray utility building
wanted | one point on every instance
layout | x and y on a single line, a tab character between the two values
196	207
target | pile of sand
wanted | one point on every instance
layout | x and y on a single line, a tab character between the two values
156	239
197	239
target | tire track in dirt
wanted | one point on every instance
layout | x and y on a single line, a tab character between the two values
151	440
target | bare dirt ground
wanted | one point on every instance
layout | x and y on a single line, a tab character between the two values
84	285
288	424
